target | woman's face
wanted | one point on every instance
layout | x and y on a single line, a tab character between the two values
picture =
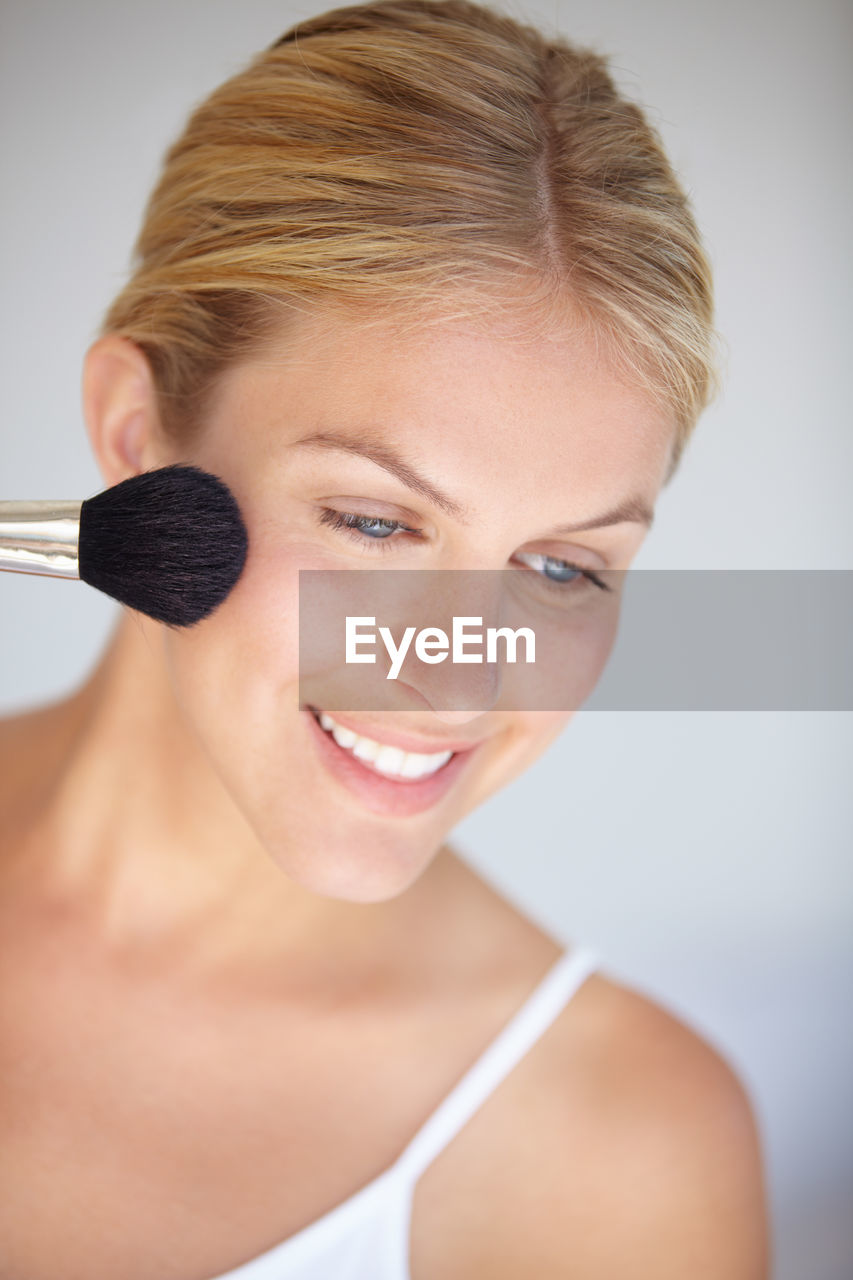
482	444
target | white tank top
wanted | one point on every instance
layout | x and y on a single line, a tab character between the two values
367	1236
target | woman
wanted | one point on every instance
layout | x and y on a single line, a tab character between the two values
416	281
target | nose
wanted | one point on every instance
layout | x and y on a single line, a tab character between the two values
458	691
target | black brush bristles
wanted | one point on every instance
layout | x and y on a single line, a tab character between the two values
170	543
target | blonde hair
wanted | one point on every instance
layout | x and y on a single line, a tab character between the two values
413	157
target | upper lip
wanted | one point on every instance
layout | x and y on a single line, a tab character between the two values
405	741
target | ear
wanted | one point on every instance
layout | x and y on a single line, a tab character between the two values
120	409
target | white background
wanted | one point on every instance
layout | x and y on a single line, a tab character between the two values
707	856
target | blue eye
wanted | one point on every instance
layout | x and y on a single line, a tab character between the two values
560	574
376	533
373	526
373	530
553	569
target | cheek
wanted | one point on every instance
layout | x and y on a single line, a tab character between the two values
236	672
536	731
542	704
572	649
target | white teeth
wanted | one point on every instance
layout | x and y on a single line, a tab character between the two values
343	737
385	759
390	760
411	765
364	749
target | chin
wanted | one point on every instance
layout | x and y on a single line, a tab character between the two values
353	869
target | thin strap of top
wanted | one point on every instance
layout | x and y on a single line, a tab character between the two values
524	1028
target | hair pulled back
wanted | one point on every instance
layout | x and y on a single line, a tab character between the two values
416	158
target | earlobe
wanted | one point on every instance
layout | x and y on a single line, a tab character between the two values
120	408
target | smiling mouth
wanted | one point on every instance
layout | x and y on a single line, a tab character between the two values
382	758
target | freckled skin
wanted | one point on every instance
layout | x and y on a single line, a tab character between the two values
526	435
192	777
254	952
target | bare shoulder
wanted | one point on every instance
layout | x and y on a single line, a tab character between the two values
651	1162
21	732
32	743
20	735
623	1144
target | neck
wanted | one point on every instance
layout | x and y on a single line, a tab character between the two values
130	822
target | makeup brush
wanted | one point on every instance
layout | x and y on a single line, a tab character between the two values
170	542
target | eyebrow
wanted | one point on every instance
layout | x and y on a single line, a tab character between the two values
632	510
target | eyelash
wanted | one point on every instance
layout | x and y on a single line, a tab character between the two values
347	522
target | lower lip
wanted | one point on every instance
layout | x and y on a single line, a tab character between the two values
382	794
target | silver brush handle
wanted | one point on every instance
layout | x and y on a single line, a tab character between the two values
40	537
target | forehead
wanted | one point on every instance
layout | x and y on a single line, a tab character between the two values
489	398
